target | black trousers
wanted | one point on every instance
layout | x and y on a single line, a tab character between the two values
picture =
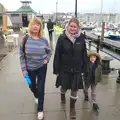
50	35
38	85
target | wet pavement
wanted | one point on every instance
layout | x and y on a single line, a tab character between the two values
17	102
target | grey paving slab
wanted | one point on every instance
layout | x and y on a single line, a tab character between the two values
52	102
48	116
55	115
19	117
110	113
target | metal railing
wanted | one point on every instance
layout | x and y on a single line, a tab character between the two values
106	60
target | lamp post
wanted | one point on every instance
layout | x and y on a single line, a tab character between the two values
101	10
102	21
76	8
56	9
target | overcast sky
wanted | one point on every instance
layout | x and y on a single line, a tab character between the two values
49	6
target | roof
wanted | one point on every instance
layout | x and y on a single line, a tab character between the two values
25	1
24	9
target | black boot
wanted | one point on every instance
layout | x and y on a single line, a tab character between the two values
86	98
118	80
63	99
95	106
72	108
86	95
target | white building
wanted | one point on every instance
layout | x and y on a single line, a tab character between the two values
22	16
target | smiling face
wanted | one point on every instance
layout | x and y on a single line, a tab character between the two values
73	28
93	59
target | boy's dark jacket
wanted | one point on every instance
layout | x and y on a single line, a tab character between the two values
98	70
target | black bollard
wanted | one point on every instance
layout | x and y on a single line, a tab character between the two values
1	34
98	45
2	41
118	79
106	65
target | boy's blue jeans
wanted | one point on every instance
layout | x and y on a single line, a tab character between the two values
38	85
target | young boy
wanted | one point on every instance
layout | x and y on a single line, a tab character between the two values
94	75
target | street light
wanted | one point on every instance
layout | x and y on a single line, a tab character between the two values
56	9
101	10
76	8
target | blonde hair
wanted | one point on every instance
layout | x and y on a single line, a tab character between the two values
37	21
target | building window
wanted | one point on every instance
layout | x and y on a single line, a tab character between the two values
14	15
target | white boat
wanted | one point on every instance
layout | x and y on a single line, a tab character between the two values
114	35
98	32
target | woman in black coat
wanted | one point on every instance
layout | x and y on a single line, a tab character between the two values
70	61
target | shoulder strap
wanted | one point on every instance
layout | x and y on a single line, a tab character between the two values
24	42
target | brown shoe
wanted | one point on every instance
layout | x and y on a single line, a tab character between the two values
72	108
63	99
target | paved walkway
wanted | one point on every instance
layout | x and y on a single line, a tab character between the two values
17	102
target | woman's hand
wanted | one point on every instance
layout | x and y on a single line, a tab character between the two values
57	75
45	61
25	72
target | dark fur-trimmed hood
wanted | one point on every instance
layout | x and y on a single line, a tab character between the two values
95	54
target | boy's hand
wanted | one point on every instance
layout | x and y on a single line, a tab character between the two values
45	61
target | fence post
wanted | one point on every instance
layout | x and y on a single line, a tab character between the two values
98	44
85	35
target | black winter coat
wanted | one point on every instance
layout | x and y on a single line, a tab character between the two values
70	61
50	25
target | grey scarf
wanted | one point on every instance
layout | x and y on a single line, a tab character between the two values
72	37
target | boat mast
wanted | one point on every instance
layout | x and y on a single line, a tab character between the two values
102	21
101	11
